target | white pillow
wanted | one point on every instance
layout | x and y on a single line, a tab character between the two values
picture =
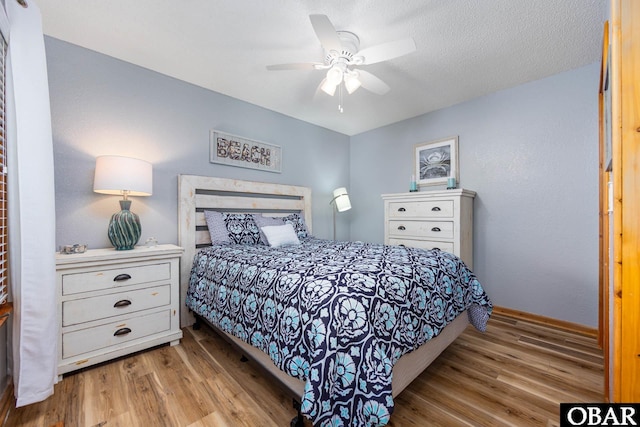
280	235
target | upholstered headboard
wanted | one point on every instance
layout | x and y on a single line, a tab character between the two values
199	193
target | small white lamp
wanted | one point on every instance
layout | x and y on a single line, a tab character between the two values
124	176
341	202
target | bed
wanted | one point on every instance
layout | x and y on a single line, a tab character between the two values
344	326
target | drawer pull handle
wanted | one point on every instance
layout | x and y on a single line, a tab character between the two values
435	209
122	303
121	277
122	331
401	227
402	210
435	229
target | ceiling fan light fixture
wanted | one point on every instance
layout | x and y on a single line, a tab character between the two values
351	82
342	51
334	75
328	87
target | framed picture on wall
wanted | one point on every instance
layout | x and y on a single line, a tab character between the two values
234	150
436	161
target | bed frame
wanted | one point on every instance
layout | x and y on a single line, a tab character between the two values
199	193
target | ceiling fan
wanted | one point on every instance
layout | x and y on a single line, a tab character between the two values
343	54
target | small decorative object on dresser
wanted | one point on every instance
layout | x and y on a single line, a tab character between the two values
413	187
431	219
112	303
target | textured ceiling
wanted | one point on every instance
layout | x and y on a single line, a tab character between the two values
465	48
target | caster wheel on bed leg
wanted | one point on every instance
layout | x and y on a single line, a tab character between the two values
298	420
197	322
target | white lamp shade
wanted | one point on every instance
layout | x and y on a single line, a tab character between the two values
351	82
334	76
341	198
123	175
328	87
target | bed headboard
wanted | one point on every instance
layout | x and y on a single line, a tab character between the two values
199	193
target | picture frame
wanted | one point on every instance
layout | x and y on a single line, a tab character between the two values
234	150
436	161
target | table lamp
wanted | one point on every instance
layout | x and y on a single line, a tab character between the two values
117	175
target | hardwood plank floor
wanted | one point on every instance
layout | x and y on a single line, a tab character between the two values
515	374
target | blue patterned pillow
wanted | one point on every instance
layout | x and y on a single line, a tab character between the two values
242	228
297	220
266	221
217	227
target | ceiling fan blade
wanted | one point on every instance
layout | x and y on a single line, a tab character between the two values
295	66
372	83
326	32
386	51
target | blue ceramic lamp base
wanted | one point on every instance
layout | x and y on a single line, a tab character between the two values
124	228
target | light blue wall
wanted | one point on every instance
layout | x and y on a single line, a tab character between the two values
531	154
101	105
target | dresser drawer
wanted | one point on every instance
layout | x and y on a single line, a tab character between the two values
423	244
440	219
421	229
423	209
74	283
100	307
115	333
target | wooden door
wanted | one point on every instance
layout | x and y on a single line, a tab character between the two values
620	205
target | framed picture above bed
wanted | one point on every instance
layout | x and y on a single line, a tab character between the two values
234	150
436	161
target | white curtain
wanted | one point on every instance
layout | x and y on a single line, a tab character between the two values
31	208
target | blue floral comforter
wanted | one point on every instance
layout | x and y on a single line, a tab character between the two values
337	315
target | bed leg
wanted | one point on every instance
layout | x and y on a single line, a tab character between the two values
298	420
243	358
197	325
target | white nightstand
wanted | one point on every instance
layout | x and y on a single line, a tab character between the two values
112	303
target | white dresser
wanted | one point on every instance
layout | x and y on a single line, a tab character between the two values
112	303
431	219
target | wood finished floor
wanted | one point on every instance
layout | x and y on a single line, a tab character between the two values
515	374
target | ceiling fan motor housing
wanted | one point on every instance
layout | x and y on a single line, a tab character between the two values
350	46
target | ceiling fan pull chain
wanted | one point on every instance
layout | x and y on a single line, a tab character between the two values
340	99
